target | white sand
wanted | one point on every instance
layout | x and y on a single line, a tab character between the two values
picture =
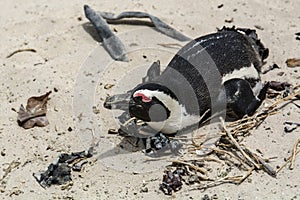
54	30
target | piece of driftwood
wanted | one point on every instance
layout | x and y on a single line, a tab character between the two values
111	42
157	23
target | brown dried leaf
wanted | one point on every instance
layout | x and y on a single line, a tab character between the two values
35	112
293	62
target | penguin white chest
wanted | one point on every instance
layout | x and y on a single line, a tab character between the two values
178	120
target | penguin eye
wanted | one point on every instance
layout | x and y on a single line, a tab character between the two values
143	97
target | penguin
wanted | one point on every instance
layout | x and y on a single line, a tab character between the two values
215	73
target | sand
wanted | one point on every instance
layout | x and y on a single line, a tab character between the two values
66	46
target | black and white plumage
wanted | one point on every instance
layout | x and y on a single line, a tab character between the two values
210	74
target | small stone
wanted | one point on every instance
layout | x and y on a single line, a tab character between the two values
220	5
205	197
280	73
229	20
259	27
214	197
108	86
95	110
86	187
144	189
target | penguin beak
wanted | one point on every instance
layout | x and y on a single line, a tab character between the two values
118	101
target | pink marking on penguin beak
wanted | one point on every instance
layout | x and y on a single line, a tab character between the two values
144	98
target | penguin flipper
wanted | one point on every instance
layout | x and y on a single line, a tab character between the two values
240	98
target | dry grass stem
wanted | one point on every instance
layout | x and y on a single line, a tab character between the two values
292	165
288	160
231	155
236	144
262	161
196	168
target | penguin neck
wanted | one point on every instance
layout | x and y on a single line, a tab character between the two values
178	119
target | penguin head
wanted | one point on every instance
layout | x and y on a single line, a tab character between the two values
151	102
159	107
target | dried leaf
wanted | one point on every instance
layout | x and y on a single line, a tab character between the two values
35	112
293	62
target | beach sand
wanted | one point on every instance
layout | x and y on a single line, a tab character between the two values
66	46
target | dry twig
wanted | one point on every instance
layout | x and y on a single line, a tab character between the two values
236	144
247	123
19	51
287	162
292	165
262	161
227	179
231	155
196	168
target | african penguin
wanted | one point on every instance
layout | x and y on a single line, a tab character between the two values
213	73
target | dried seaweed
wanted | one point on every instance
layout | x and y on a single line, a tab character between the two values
279	86
172	181
35	112
59	171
